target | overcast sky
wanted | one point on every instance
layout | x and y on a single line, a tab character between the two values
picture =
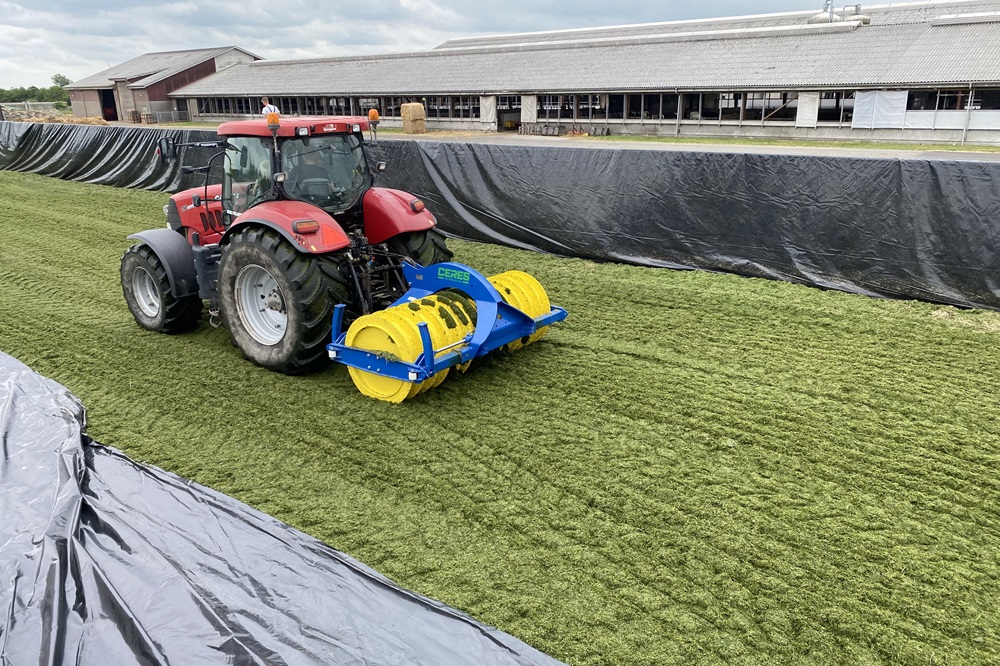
78	38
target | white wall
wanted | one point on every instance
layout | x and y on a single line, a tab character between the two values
984	120
953	120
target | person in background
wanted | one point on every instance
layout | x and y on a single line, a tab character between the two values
373	122
267	107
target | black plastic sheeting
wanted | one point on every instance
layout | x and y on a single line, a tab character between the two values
105	561
924	229
913	228
119	156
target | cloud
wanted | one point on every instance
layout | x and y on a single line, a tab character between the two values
431	11
79	38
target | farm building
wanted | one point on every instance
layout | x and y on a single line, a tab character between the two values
923	71
143	84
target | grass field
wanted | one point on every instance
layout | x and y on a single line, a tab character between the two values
693	469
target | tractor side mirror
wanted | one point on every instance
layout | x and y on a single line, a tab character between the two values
166	149
244	157
381	167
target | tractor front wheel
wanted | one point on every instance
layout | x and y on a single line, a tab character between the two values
277	302
424	247
147	293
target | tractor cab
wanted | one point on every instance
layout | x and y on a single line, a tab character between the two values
319	161
329	171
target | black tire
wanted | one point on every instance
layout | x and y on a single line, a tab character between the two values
147	293
424	247
299	288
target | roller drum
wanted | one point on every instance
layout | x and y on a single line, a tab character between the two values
450	317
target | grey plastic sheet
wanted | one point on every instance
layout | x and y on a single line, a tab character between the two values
924	229
119	156
914	228
104	561
10	138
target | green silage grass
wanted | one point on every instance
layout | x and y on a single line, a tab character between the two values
693	469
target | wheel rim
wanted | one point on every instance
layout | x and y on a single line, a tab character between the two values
260	305
147	295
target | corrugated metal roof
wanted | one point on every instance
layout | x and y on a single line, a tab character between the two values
150	68
894	13
580	35
885	55
959	19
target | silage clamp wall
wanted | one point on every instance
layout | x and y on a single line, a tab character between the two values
914	228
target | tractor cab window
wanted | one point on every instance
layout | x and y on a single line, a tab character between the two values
247	172
328	171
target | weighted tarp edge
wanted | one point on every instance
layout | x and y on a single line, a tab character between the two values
910	228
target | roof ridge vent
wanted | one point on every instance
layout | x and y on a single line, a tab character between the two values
825	16
966	19
857	15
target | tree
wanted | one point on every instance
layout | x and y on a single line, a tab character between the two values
54	93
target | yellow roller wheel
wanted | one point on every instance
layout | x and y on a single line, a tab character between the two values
525	293
450	317
427	310
463	314
445	325
394	332
383	335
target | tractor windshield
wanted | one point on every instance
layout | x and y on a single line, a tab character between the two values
328	171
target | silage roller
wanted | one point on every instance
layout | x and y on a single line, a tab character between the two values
450	315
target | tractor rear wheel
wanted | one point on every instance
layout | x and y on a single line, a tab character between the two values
147	293
424	247
277	302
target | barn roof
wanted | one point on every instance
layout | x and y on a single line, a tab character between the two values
947	42
151	68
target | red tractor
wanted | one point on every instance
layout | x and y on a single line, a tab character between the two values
295	228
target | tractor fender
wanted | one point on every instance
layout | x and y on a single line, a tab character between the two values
390	212
174	252
282	216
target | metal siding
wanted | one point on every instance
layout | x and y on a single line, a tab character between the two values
157	92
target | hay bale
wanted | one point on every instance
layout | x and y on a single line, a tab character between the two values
414	118
93	120
413	111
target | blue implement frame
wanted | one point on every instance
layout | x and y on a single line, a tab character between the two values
497	324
